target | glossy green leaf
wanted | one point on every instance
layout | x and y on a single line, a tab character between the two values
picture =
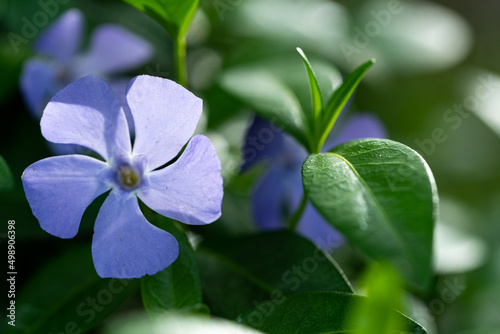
313	313
6	180
270	97
339	99
174	15
384	290
316	98
66	296
382	196
178	287
239	273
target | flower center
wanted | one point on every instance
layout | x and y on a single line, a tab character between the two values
128	177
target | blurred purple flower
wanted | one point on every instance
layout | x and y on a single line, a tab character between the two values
112	50
278	193
59	189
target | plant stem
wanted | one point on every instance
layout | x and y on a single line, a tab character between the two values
180	60
294	220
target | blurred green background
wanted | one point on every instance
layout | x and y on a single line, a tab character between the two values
431	56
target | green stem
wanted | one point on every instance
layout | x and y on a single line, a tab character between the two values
294	220
180	60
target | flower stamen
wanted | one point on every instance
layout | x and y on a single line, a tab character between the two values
128	177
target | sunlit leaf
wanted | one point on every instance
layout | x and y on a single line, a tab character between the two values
316	25
457	251
408	37
172	323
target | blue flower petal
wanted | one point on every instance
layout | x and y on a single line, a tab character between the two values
62	38
59	189
165	117
263	141
361	125
119	86
87	113
189	190
268	202
292	156
38	84
114	49
125	244
277	196
314	227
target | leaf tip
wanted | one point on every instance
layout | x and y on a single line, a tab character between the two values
301	52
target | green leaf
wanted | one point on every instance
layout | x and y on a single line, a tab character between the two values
178	287
289	69
288	101
382	196
316	98
384	290
414	56
6	180
175	323
314	312
66	295
338	100
316	25
239	273
174	15
270	98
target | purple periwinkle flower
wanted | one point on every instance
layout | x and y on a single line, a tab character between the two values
58	62
278	193
188	189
